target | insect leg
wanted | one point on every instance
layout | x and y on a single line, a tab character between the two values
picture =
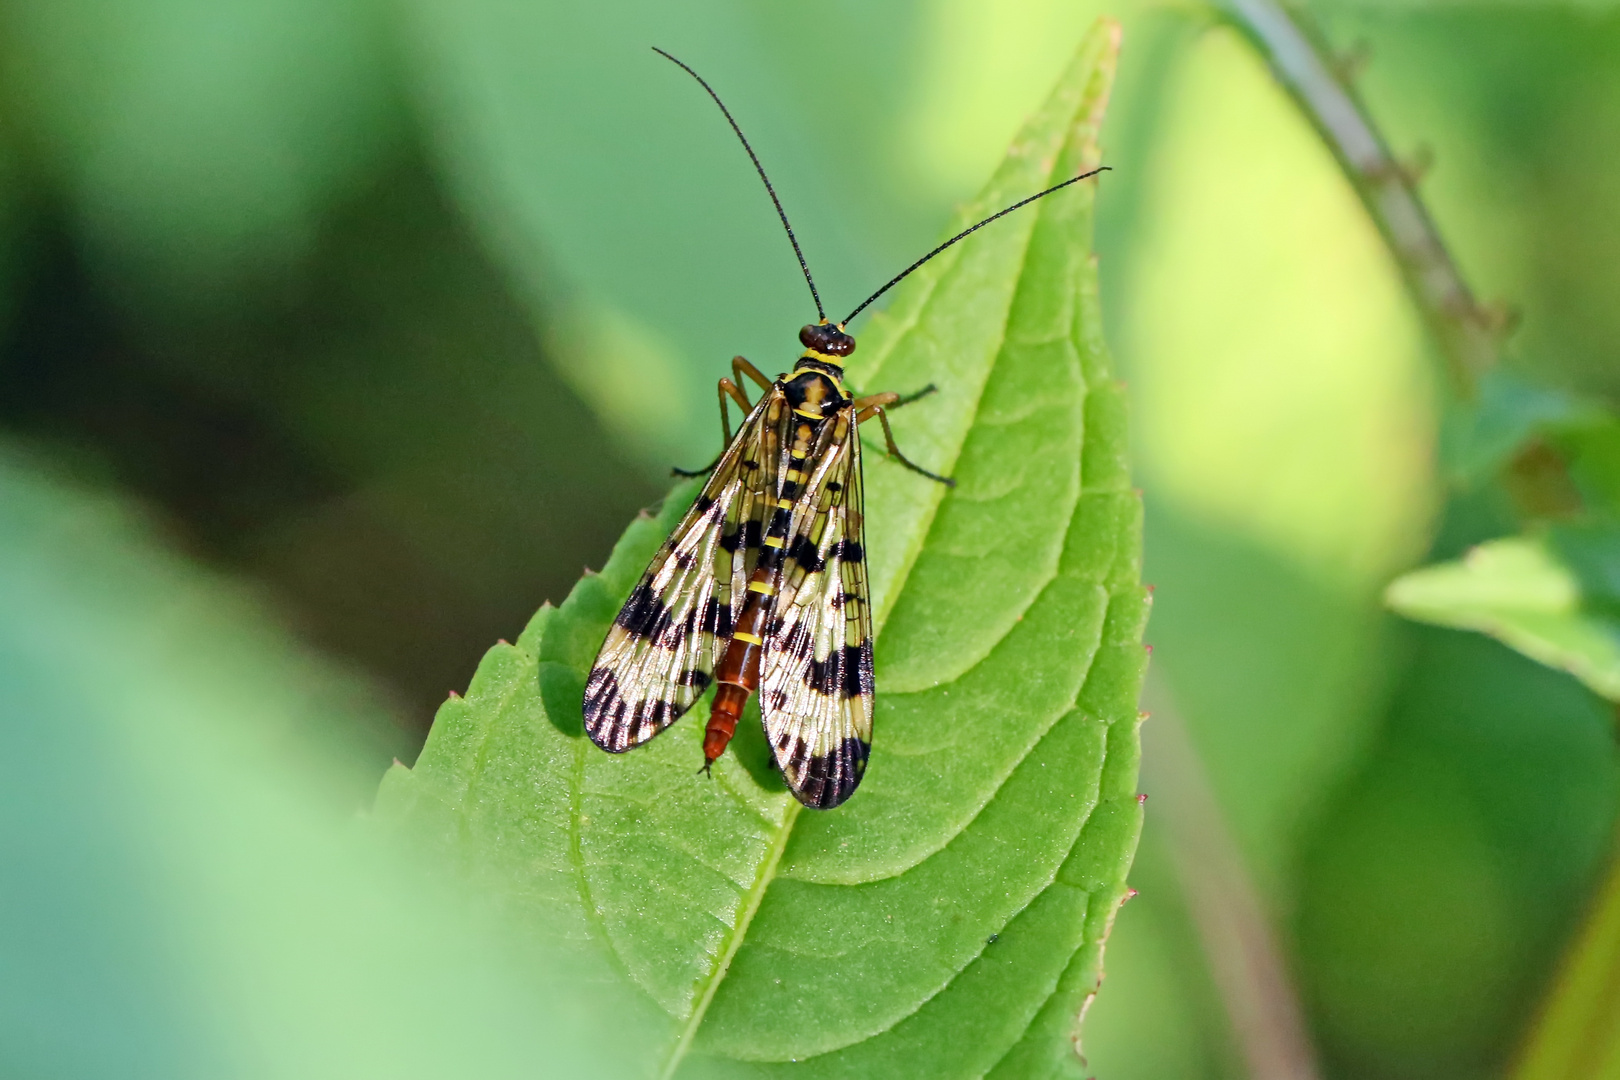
725	389
909	398
877	405
729	387
740	367
676	470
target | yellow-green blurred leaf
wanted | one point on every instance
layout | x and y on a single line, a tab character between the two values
1577	1034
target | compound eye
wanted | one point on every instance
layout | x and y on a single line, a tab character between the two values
827	340
838	344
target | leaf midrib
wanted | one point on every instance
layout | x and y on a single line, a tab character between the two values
768	869
739	932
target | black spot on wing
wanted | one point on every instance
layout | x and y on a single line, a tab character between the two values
823	781
694	678
849	551
861	670
801	644
643	614
847	671
804	552
716	618
601	688
616	724
652	715
604	709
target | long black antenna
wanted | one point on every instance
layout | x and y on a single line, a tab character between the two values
808	280
972	228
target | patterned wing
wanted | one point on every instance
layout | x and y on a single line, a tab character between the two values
815	689
660	654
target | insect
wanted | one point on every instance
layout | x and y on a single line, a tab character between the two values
763	584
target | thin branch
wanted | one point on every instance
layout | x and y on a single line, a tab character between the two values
1246	960
1467	333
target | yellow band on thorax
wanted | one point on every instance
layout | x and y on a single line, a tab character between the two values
762	587
837	362
743	635
773	541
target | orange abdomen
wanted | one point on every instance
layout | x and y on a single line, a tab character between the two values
737	676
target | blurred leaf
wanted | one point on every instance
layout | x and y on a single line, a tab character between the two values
184	894
1576	1036
1591	550
955	910
1585	8
1478	438
604	179
1505	96
1524	592
1592	449
1435	896
1280	399
199	142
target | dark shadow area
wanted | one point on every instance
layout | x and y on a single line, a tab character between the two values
376	438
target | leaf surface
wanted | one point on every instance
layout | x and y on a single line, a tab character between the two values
1537	594
949	919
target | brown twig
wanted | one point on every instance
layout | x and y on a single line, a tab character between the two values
1246	960
1302	63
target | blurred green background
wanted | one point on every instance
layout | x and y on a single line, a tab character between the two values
337	336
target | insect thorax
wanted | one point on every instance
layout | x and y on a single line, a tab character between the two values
815	390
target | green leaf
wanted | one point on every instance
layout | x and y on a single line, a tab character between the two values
949	920
1592	449
1478	438
1529	593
